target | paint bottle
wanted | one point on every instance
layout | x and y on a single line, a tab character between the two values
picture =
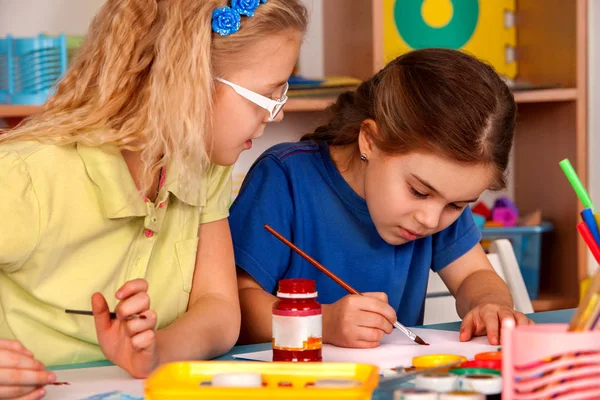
297	322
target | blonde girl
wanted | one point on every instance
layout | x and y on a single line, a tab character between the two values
120	187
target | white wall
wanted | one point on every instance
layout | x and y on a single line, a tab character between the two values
30	17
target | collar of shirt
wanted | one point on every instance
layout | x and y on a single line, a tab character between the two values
120	197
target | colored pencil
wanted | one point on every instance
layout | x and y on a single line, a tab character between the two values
589	240
571	175
588	217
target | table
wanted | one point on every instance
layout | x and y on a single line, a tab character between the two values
561	316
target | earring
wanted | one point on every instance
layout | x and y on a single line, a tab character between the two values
363	157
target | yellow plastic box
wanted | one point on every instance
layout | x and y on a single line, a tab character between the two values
192	380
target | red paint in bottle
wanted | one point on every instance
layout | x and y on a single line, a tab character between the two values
297	322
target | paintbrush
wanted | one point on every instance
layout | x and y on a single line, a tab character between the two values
340	282
113	315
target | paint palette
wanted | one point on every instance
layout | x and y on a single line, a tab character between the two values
251	380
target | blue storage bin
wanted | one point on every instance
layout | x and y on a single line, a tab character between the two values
29	68
5	71
527	244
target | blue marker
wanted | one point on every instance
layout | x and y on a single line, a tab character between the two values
588	217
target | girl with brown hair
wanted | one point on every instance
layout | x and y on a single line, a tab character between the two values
379	195
121	187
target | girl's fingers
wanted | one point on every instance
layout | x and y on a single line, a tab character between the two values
19	392
467	328
25	377
143	341
135	326
133	305
132	287
15	346
15	360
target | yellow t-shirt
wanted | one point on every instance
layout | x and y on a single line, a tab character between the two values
72	223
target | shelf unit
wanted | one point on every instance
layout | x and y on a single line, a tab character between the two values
306	104
552	124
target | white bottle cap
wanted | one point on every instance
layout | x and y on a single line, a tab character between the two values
439	382
237	379
415	394
482	383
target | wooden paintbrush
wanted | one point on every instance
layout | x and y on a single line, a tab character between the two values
340	282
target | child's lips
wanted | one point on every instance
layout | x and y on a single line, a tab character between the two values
407	234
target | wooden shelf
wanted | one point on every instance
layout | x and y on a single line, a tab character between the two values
548	302
307	104
17	110
522	96
545	95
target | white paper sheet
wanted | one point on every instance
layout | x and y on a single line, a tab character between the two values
396	349
86	382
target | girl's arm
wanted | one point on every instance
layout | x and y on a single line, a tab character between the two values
483	300
211	325
472	280
256	305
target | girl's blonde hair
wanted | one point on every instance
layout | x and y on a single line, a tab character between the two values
144	80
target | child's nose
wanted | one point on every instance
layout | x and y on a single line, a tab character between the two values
429	217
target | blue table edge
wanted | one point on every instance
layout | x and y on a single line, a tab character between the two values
559	316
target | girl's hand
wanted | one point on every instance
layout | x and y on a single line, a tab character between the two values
21	376
487	319
358	321
129	341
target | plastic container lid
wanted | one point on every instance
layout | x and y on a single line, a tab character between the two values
491	355
435	360
415	394
472	371
297	288
490	364
462	395
482	383
237	379
437	382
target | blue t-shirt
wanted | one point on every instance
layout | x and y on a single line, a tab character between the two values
296	189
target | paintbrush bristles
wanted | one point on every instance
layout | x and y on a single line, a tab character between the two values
421	341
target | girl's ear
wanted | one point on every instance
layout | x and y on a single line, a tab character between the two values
368	130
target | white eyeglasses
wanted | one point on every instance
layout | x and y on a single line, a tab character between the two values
272	106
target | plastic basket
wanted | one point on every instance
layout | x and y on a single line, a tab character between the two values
190	381
5	70
527	245
29	68
545	361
